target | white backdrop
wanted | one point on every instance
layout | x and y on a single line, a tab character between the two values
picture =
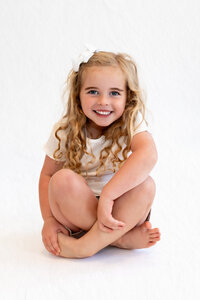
38	41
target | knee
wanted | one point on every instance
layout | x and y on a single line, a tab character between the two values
64	179
149	187
149	184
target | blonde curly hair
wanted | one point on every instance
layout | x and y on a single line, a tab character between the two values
74	126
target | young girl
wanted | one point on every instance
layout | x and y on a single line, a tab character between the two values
94	188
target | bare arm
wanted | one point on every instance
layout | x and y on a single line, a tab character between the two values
51	226
43	196
136	168
48	169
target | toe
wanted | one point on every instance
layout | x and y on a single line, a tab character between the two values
155	230
146	225
150	244
153	235
154	238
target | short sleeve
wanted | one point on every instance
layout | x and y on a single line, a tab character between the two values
52	143
142	127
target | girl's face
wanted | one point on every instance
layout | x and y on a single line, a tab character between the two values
103	96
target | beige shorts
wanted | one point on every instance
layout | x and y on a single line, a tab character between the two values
82	232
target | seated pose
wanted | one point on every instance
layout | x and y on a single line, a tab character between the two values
94	187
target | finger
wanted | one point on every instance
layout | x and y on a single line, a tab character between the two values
119	223
101	227
50	245
113	224
104	228
116	223
110	223
48	248
55	245
107	229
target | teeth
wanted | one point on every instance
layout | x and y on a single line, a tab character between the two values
103	112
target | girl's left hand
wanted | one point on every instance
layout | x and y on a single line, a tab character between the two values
104	216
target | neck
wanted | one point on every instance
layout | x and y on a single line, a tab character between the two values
93	132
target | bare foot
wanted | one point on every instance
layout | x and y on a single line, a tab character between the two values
139	237
68	246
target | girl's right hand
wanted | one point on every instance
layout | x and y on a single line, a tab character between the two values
105	219
50	230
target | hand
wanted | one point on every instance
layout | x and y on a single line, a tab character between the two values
49	234
105	219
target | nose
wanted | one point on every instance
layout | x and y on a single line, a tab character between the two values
103	100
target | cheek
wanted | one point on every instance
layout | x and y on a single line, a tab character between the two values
120	106
82	101
85	106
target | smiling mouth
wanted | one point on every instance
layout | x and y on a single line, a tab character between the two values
103	113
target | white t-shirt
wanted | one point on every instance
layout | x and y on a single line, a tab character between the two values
96	183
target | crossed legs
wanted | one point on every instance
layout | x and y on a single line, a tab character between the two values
74	205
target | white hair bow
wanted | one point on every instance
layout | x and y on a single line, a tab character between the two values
83	57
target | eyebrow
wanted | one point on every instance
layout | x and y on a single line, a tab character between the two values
93	87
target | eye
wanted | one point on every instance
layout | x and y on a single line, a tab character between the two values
92	92
115	93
